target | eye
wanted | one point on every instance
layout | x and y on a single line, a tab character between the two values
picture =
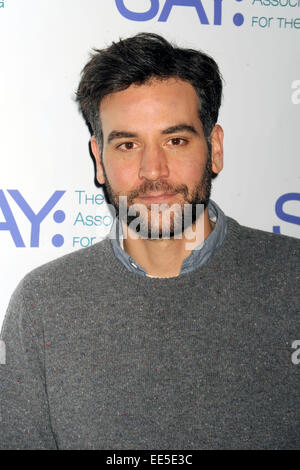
177	141
127	146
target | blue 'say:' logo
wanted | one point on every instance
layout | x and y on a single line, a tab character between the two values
292	219
168	5
10	223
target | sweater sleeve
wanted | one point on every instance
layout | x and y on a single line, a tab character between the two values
24	410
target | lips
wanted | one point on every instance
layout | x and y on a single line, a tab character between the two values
157	197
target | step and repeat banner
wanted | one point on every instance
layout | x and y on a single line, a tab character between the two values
49	202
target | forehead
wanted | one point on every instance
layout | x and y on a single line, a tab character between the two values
155	103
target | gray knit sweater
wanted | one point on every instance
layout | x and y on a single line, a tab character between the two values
101	358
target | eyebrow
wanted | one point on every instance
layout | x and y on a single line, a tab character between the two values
170	130
180	128
120	135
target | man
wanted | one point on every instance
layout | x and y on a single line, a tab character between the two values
170	341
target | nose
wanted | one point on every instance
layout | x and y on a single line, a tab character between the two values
153	163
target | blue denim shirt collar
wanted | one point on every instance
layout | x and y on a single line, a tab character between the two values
198	257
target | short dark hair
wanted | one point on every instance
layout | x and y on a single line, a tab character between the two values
138	59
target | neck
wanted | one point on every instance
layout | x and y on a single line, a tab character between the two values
164	257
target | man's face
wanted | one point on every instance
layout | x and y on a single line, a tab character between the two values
154	149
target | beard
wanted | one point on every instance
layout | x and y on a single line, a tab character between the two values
184	215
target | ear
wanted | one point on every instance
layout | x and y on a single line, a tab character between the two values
98	158
216	138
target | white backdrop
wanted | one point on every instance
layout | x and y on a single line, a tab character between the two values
44	141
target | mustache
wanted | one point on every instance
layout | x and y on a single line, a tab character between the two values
159	186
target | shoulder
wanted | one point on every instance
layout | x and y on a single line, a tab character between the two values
49	290
261	257
269	245
54	288
67	273
264	269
